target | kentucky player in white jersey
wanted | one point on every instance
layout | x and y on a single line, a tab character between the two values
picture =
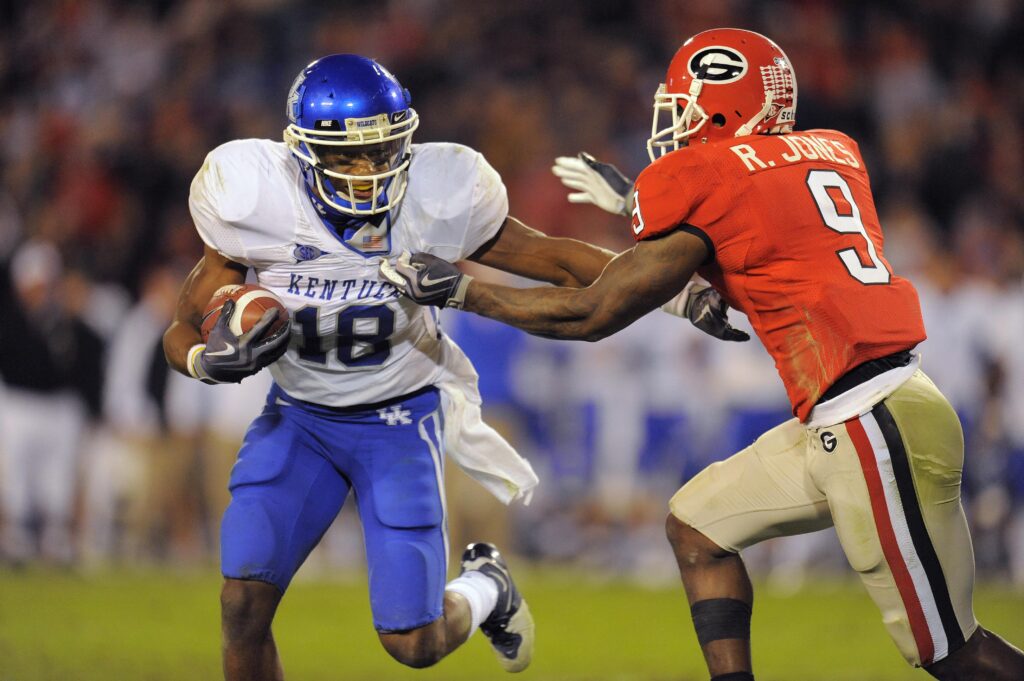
368	394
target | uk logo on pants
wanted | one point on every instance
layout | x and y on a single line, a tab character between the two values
395	415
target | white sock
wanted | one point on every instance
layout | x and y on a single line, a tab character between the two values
480	591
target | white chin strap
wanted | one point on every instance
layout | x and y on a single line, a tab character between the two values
758	118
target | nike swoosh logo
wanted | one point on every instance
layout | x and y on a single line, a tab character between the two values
221	353
427	281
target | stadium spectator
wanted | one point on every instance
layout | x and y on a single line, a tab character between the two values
138	92
50	364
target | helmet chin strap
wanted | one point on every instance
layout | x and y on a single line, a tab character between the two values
748	127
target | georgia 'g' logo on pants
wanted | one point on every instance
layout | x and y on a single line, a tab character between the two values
900	522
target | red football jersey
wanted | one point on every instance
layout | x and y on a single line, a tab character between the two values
795	245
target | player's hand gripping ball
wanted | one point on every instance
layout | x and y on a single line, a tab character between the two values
245	328
251	302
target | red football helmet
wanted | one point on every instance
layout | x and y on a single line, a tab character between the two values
723	83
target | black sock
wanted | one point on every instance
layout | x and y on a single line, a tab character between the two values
734	676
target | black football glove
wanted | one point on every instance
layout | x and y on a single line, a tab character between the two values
427	279
707	310
228	358
595	182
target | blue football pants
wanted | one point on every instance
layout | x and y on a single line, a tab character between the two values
294	471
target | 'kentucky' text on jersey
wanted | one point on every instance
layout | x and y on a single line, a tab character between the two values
354	340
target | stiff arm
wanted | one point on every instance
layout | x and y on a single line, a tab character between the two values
632	284
519	249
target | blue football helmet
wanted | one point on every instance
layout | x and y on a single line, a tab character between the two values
350	126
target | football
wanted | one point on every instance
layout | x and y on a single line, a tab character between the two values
251	301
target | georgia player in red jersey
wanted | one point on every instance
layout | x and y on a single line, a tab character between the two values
783	225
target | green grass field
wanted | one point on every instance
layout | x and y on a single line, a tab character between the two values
163	626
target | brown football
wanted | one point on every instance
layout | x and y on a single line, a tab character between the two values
251	301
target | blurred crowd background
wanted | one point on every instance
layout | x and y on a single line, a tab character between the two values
107	109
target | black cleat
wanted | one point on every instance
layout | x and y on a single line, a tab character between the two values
510	625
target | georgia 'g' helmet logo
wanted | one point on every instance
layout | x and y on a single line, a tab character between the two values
718	65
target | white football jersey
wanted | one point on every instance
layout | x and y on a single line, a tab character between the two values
355	340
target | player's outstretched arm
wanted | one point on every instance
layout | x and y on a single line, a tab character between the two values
209	274
519	249
633	283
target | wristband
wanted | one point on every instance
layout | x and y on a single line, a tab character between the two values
458	297
192	362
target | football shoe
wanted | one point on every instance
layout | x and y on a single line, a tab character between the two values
510	625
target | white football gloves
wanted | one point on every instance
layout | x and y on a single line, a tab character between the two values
595	182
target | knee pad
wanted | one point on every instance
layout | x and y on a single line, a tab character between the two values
249	546
407	576
407	494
